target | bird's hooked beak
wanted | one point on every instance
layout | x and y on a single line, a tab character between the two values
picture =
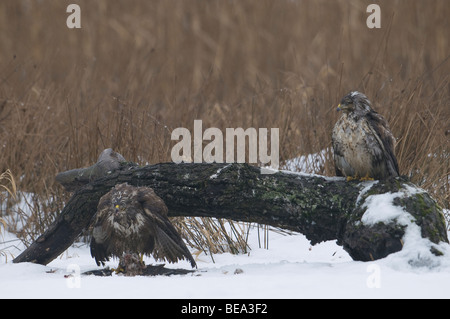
344	107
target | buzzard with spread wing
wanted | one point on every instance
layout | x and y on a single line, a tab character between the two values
132	221
362	141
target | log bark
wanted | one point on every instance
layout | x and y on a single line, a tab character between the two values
319	207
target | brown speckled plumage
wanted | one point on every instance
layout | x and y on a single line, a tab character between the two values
362	141
133	220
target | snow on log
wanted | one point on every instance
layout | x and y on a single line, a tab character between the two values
369	219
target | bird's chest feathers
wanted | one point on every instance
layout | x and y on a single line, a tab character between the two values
353	132
126	223
351	137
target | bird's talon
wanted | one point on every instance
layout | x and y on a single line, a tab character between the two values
118	270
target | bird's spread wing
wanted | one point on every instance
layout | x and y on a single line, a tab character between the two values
168	243
100	236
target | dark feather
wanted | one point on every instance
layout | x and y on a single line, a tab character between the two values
381	128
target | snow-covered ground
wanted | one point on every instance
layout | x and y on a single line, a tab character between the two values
290	268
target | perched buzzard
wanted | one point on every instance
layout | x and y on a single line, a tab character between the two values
132	221
362	142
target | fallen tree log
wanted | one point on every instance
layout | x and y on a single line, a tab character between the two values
319	207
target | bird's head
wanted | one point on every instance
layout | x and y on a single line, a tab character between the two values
120	199
354	101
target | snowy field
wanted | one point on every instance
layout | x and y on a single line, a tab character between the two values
290	268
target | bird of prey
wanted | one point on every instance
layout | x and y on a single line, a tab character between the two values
132	221
362	141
